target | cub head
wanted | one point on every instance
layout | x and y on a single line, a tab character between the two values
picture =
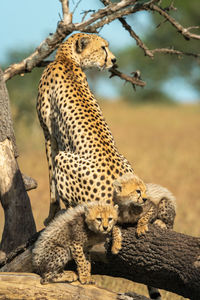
129	189
101	217
88	51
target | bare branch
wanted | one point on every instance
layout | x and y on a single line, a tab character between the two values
131	32
184	31
176	52
134	80
96	20
63	30
67	16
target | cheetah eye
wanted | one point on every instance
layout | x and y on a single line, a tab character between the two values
110	219
99	219
138	191
103	47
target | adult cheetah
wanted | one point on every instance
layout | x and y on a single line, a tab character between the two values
82	157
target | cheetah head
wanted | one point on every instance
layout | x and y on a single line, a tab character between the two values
129	190
88	51
101	217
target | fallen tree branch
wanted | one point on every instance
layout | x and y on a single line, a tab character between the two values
164	259
27	286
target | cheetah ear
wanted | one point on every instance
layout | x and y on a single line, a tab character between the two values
81	44
116	207
117	186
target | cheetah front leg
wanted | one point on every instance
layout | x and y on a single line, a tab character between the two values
142	225
116	240
51	151
83	265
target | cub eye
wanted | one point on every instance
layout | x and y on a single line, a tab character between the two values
110	219
103	47
138	191
99	219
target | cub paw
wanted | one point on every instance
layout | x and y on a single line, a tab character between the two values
69	276
86	279
141	230
160	223
116	247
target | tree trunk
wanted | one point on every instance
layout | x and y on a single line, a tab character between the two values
19	222
162	258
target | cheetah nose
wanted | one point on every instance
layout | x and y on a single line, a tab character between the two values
105	228
113	60
144	199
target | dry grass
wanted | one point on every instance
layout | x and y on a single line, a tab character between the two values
162	144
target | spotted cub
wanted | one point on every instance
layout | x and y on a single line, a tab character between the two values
143	203
70	236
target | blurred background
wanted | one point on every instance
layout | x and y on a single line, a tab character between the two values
157	128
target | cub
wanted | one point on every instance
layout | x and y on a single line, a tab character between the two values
143	203
69	236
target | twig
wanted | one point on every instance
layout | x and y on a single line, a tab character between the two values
85	13
134	80
75	7
184	31
176	52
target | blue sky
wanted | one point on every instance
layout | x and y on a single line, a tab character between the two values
25	23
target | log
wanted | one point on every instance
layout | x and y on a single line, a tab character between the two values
19	222
162	258
27	286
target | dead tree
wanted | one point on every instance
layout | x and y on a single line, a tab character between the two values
19	222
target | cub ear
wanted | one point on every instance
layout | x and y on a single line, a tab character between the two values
81	44
116	207
86	210
117	186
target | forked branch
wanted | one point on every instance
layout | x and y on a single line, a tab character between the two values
97	20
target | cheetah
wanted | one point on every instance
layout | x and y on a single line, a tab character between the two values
82	156
70	236
143	203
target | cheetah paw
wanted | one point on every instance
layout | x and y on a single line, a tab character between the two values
69	276
160	223
116	247
141	230
86	280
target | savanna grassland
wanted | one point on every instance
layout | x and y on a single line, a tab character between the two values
163	145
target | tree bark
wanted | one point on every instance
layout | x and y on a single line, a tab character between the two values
162	258
19	222
27	286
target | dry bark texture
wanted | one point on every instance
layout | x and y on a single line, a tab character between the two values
27	286
19	222
6	125
163	259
